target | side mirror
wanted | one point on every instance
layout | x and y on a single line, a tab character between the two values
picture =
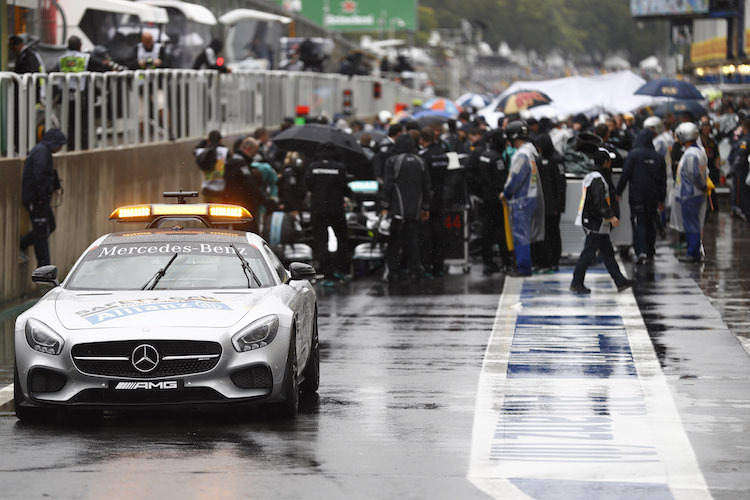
46	275
300	271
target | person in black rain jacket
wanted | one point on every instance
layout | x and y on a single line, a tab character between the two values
433	231
292	189
38	183
645	171
327	182
487	173
552	173
244	183
405	197
597	218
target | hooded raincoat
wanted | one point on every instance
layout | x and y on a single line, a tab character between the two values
38	182
689	209
523	190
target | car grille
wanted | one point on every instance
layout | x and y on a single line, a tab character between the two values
176	358
109	397
255	377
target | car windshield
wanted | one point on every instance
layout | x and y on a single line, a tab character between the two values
196	266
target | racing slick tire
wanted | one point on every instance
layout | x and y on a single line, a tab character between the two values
290	406
311	372
24	413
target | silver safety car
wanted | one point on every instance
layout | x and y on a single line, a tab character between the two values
173	314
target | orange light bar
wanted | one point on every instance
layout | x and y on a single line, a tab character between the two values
131	212
233	211
180	209
227	213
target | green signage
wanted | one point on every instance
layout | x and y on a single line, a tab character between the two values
358	15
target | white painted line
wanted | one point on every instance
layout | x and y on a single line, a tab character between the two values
539	427
6	394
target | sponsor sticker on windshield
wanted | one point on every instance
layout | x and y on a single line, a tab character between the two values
115	251
125	308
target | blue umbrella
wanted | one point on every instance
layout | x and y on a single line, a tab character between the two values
669	87
429	113
680	106
474	100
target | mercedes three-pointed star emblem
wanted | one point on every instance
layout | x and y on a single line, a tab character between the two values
145	358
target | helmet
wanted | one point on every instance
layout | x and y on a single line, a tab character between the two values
654	123
686	132
384	116
517	130
100	52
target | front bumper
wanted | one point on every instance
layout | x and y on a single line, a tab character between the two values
215	387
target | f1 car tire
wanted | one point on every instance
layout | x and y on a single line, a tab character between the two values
311	372
290	406
24	413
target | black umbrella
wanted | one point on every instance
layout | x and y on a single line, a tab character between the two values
308	138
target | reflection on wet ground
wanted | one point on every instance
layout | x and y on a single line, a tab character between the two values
725	278
694	331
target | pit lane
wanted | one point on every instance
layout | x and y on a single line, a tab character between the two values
403	369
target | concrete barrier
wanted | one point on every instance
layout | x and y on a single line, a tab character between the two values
94	183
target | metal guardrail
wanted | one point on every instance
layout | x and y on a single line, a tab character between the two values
106	110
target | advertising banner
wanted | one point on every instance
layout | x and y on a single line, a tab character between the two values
656	8
357	15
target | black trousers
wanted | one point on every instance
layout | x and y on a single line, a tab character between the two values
602	243
743	191
404	240
552	241
432	236
493	231
42	225
339	261
643	221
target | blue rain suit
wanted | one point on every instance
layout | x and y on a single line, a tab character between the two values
523	191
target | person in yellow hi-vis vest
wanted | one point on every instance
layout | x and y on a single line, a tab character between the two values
75	61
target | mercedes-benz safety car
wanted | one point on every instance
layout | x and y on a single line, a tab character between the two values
173	314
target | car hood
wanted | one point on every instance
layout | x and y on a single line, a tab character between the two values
78	310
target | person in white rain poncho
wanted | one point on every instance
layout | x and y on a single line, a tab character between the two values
689	208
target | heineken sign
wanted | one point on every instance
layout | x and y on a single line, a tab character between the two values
357	15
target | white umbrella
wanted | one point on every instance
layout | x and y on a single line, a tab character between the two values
474	100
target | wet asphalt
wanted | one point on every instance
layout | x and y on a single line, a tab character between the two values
394	416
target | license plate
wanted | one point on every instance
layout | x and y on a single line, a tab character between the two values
146	385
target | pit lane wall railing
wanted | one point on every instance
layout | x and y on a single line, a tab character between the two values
137	139
106	110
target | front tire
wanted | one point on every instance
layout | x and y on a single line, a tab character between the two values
290	406
311	372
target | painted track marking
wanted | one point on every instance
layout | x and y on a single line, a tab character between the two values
601	428
6	394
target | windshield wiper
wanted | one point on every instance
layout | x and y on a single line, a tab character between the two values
246	267
159	274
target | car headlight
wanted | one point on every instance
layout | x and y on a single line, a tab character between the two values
42	338
257	334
